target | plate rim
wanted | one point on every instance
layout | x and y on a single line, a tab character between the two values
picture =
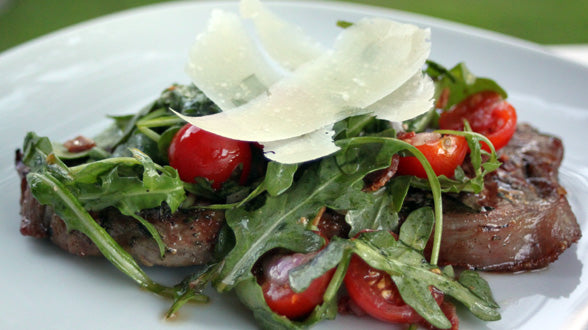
500	38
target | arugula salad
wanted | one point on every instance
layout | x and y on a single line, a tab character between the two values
272	250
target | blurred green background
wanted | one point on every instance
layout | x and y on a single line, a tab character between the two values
541	21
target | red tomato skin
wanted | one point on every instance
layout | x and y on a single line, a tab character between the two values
487	113
197	153
451	314
377	295
444	155
278	294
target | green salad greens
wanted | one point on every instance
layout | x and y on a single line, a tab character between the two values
128	169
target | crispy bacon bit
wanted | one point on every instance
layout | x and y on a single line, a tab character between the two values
378	179
79	144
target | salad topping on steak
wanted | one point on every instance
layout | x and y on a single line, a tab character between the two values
521	221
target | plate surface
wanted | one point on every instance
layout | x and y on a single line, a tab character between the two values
65	83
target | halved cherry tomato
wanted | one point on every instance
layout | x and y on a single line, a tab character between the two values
277	292
197	153
444	153
373	292
487	113
376	294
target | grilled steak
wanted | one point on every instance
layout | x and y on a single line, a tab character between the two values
190	235
522	219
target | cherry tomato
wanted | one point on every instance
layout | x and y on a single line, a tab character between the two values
487	113
277	292
197	153
444	153
376	294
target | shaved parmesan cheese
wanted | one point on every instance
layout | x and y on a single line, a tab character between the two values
374	68
227	65
400	105
284	42
309	146
370	60
417	93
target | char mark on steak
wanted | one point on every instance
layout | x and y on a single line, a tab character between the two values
522	220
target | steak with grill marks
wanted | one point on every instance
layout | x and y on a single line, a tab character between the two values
189	235
522	220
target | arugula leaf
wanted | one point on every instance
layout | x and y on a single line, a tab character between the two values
278	222
328	258
416	229
329	308
95	153
36	155
165	186
49	191
143	130
336	254
187	99
380	215
111	182
110	137
130	194
422	122
389	147
459	82
121	130
165	140
418	295
279	177
116	182
336	182
344	24
138	140
191	289
407	267
91	172
381	251
398	188
473	281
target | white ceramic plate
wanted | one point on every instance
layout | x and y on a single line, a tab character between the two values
64	84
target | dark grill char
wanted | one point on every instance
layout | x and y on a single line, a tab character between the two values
190	235
522	220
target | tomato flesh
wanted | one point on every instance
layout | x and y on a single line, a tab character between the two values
376	294
197	153
444	153
277	292
487	113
